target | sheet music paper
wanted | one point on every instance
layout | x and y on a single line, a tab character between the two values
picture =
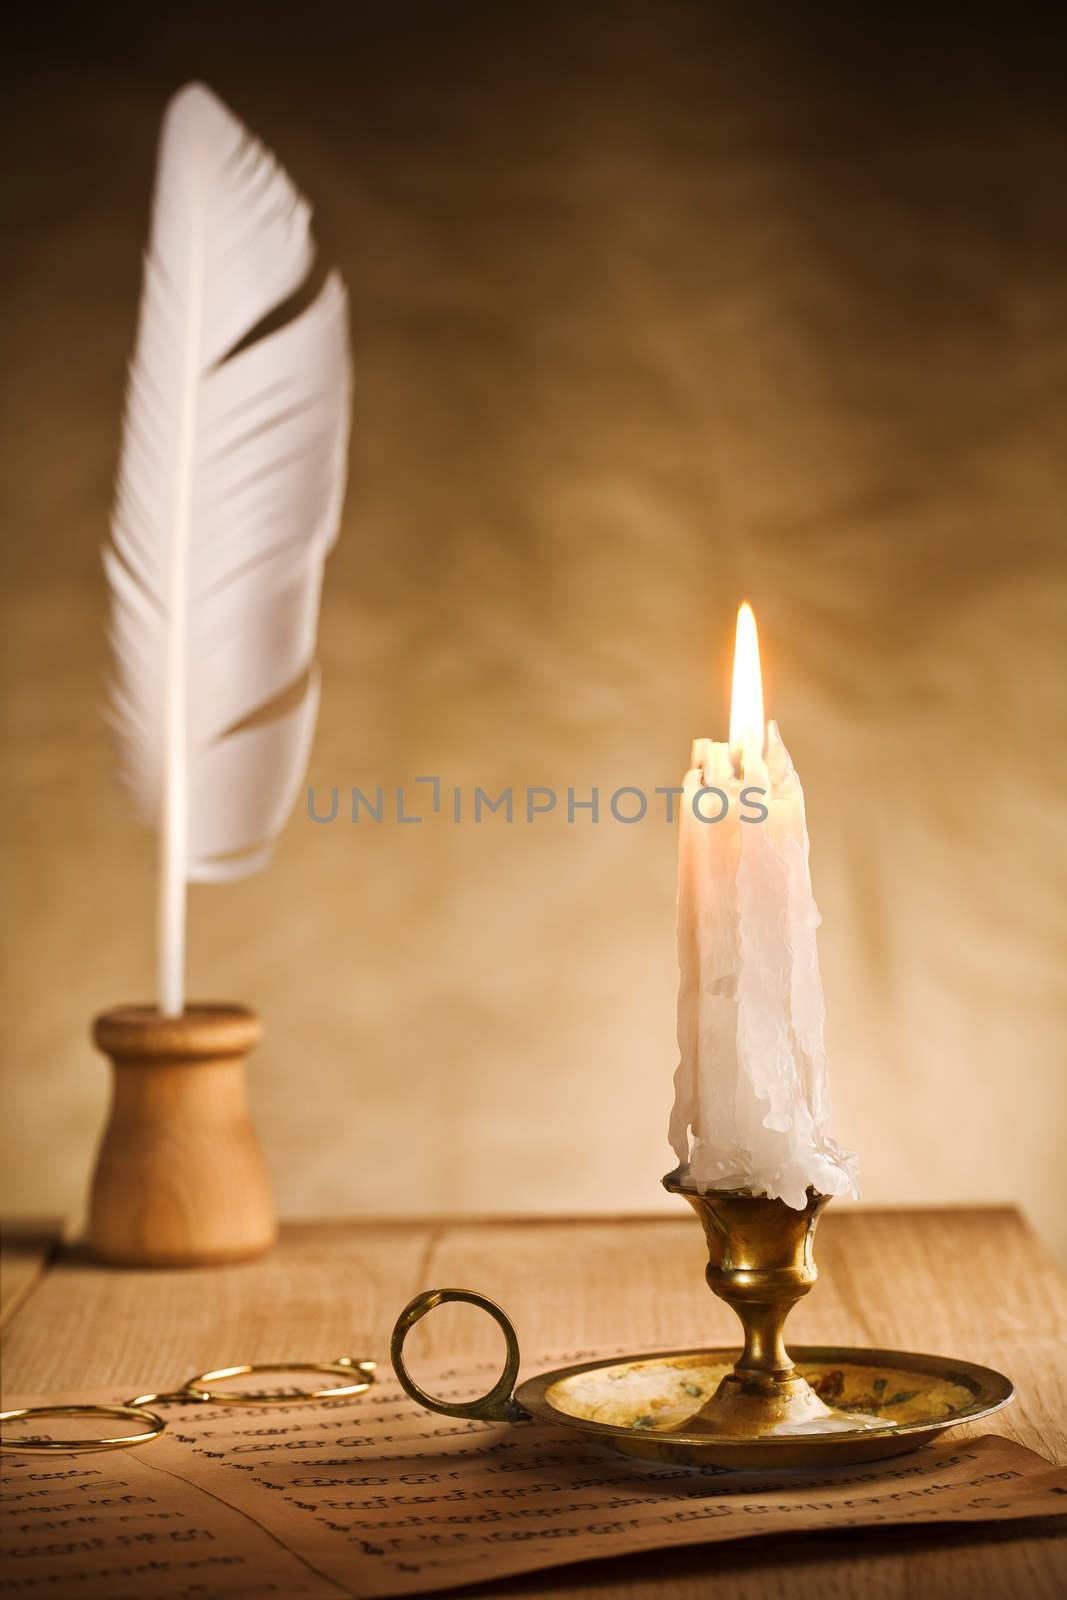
370	1496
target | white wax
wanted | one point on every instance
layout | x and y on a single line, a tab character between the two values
751	1107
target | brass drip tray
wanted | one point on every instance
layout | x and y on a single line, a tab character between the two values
877	1403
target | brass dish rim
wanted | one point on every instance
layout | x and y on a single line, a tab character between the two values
994	1392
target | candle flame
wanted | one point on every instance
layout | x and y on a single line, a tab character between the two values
747	732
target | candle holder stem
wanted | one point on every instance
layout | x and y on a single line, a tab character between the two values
761	1262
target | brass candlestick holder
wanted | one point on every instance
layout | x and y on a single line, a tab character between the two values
715	1407
761	1262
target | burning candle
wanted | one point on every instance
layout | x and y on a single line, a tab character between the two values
751	1107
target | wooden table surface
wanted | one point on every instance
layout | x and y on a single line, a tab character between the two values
970	1283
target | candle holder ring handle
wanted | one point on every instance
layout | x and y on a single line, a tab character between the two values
499	1403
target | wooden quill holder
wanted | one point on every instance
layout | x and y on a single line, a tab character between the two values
180	1177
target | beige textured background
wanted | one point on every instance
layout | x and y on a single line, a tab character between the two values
655	305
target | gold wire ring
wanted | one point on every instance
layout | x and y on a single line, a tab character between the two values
197	1389
43	1447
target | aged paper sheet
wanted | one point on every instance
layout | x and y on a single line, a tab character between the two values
371	1497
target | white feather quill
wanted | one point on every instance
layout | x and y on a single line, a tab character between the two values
229	493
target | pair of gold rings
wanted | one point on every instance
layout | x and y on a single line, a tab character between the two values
195	1389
